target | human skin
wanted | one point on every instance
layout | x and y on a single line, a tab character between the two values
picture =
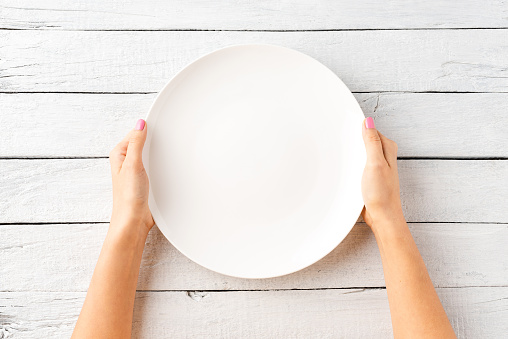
107	311
414	305
108	308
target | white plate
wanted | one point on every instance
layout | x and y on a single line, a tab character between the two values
255	158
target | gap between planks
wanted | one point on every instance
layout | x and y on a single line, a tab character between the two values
259	30
104	157
107	222
355	289
353	92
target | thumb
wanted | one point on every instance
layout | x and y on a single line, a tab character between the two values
137	139
372	142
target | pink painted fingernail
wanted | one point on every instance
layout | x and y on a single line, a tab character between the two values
369	123
140	125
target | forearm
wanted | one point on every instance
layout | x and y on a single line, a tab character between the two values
107	311
414	305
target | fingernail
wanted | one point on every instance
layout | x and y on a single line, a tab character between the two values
140	125
369	123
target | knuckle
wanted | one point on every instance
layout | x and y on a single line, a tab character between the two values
135	138
374	137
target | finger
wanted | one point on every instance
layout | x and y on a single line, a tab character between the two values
136	139
372	141
117	154
389	150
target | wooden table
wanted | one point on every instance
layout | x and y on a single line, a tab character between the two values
75	76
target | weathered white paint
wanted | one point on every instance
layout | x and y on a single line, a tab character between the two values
68	125
350	313
473	312
441	124
253	15
62	258
79	190
55	190
423	124
418	60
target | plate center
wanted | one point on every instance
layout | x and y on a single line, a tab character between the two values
260	156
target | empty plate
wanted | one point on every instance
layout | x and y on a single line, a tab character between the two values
255	158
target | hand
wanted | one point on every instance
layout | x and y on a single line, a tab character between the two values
130	184
107	311
380	181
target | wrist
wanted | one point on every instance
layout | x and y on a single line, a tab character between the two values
389	222
126	238
132	217
128	232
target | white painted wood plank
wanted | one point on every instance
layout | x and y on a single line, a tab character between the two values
473	312
89	125
454	190
55	190
68	125
441	124
63	124
253	15
62	258
79	190
367	61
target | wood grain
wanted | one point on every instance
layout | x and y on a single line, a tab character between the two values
250	15
89	125
350	313
367	61
55	190
113	46
79	190
62	258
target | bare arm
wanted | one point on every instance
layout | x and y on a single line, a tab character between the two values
107	311
414	305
